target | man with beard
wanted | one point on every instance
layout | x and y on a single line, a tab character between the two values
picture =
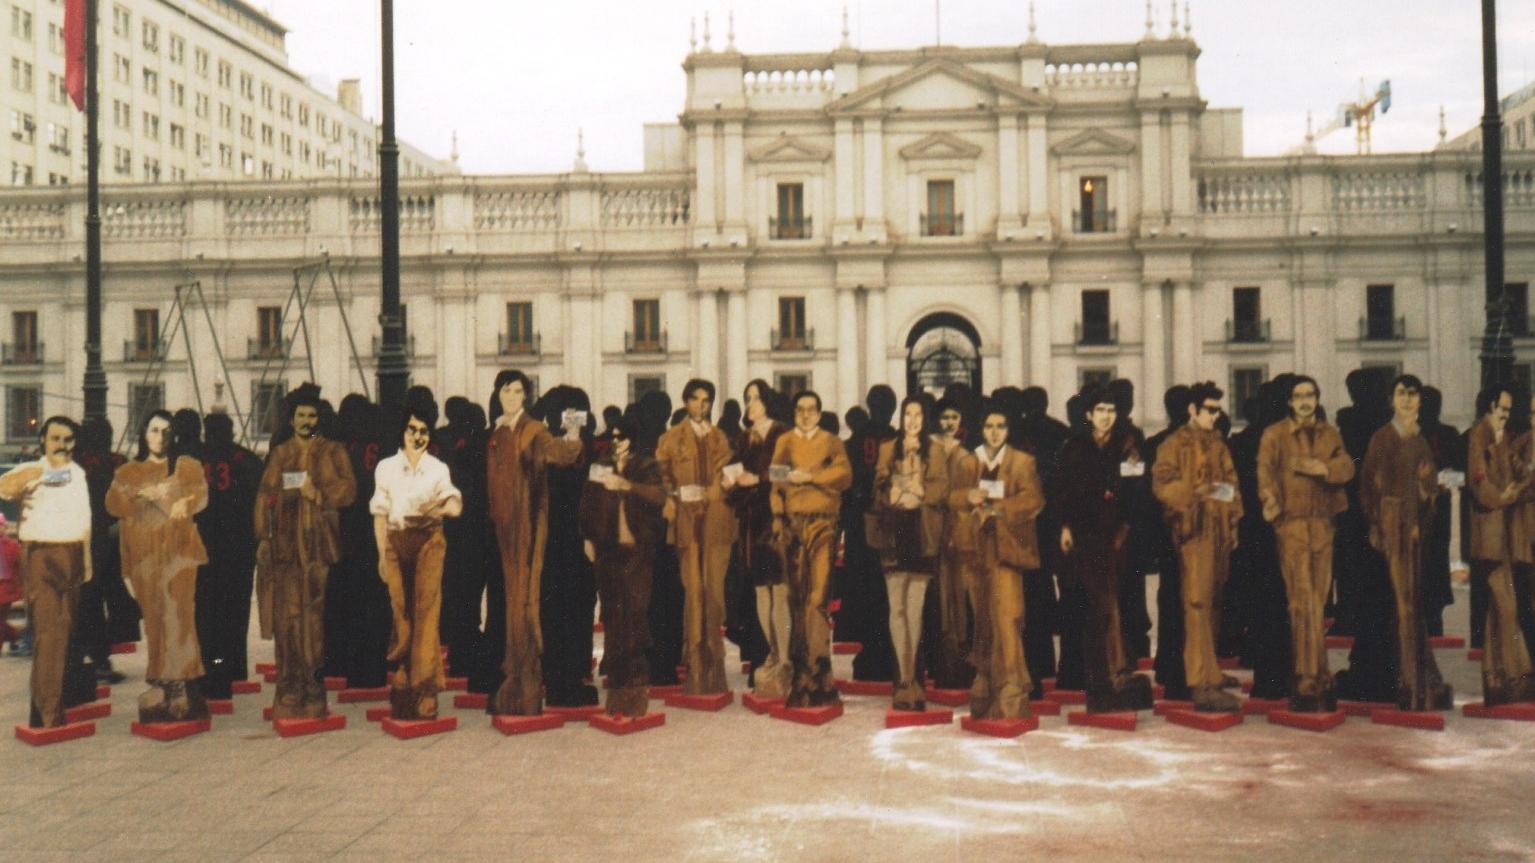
306	481
224	584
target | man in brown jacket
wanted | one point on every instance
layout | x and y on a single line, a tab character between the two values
1493	479
1195	480
1302	469
692	454
306	480
810	470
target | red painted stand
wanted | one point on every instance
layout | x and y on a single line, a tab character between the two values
914	718
1162	708
761	706
125	647
1158	692
411	729
865	687
1521	712
335	684
1047	684
577	713
456	684
1339	642
264	667
1474	654
1364	708
1145	663
1308	721
808	715
471	700
358	695
1440	642
625	725
269	676
949	697
87	712
1117	721
1228	663
377	714
57	734
1000	727
1066	696
266	714
846	648
1204	721
1264	706
165	731
1045	707
710	703
245	687
103	692
509	725
1421	719
659	692
221	706
302	727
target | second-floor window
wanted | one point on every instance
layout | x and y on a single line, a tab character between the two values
791	223
1246	316
23	407
1380	320
1093	214
519	328
146	333
1096	328
791	333
1518	294
647	325
268	331
941	220
24	343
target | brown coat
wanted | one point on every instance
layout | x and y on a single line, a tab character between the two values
935	495
678	454
825	459
145	530
1188	459
1491	466
295	529
1397	487
517	488
1011	530
1299	495
641	506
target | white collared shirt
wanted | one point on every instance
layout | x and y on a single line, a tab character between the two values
402	492
509	420
990	463
56	513
700	428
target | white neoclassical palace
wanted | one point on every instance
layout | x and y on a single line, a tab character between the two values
1014	215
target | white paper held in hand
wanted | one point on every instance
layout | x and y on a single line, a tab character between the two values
598	472
732	472
1450	478
690	493
779	473
293	479
1224	492
992	487
1132	468
573	418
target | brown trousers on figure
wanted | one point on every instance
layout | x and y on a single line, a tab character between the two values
168	597
952	586
1506	659
298	636
1001	686
807	562
1203	567
1420	685
624	574
1305	563
53	573
703	584
412	570
522	687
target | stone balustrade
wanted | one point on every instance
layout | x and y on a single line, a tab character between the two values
1092	74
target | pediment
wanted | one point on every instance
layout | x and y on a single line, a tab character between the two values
788	148
1093	142
935	84
940	145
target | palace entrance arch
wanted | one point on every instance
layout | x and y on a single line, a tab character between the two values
943	348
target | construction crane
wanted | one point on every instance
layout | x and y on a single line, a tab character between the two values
1360	115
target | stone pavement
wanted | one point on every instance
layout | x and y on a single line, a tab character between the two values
734	786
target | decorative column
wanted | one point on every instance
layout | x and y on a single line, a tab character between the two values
735	166
703	136
847	348
1039	176
1185	348
1183	201
1012	336
1039	336
844	168
1153	199
873	177
736	373
1154	351
706	349
876	340
1007	173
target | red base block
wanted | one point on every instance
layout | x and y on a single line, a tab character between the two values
1522	712
576	713
1066	696
411	729
949	697
1228	663
913	718
456	684
626	725
125	647
1047	684
1422	719
1162	708
846	648
1045	708
1158	692
1364	708
1474	654
1204	721
266	667
762	706
335	684
301	727
510	725
164	731
269	676
86	712
657	692
1118	721
1264	706
57	734
866	687
266	714
715	702
1247	686
1145	663
221	706
103	692
377	714
808	715
245	687
359	695
1308	721
471	701
1446	641
1000	727
1343	642
597	626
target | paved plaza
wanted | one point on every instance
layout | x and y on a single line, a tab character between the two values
734	786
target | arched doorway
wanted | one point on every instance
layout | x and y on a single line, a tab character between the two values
943	348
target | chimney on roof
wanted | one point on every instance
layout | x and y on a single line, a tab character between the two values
349	94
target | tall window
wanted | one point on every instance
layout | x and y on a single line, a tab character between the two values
647	326
791	224
23	410
121	23
266	407
269	342
1096	327
1246	316
941	220
24	344
146	333
519	328
1381	323
21	75
791	334
1518	294
1093	214
151	37
21	23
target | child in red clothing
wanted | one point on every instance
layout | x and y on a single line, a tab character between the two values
11	589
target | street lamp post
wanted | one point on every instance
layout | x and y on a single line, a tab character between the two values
95	384
393	366
1497	344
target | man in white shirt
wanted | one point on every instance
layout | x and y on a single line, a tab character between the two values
55	533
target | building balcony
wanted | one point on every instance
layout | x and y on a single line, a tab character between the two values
410	346
22	355
135	351
1096	334
522	346
789	229
942	225
1248	332
267	349
1382	329
803	340
1090	222
645	343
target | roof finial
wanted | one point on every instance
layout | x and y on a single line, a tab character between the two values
1310	135
1442	130
692	35
1188	22
1033	31
1172	29
454	155
707	49
1151	25
846	38
730	34
580	150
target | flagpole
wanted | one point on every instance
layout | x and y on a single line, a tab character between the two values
95	384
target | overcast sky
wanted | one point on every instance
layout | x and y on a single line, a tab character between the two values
516	79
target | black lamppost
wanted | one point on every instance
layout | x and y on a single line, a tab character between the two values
1497	344
95	384
393	365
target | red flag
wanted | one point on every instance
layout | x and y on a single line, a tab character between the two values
74	51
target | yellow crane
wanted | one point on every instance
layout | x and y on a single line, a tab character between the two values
1359	114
